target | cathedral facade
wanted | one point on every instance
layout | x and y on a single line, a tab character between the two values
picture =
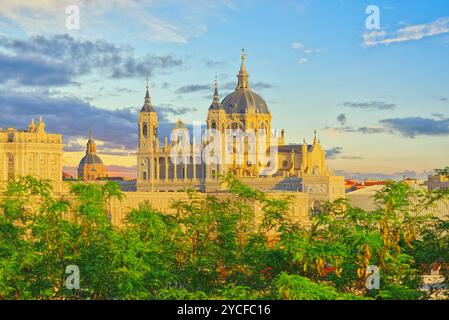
31	152
238	131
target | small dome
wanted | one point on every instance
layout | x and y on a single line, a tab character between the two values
90	159
243	101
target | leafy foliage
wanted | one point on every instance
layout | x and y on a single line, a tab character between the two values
212	248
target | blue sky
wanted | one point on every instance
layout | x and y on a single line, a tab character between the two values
378	99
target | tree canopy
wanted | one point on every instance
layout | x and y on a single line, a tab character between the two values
211	248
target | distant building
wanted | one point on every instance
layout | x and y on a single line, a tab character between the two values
413	182
66	176
354	185
438	182
365	199
31	152
91	167
374	182
351	185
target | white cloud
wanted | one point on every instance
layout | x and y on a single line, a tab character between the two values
409	33
303	61
299	46
145	18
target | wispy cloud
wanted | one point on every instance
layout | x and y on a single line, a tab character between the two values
361	176
299	46
408	33
228	86
337	153
149	19
192	88
334	152
418	126
370	105
259	85
363	130
302	48
210	63
409	127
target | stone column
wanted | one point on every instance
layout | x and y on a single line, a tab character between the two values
292	159
158	169
166	168
193	158
175	170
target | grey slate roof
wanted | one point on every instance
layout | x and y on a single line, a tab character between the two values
242	101
90	159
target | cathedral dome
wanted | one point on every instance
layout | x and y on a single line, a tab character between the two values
92	159
91	167
243	99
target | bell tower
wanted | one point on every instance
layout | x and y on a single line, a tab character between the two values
148	123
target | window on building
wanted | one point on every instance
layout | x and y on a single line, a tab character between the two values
10	166
145	129
316	208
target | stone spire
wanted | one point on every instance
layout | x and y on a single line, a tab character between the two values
32	126
243	74
216	97
40	125
147	106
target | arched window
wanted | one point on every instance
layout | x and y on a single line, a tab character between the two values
145	129
213	125
144	175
